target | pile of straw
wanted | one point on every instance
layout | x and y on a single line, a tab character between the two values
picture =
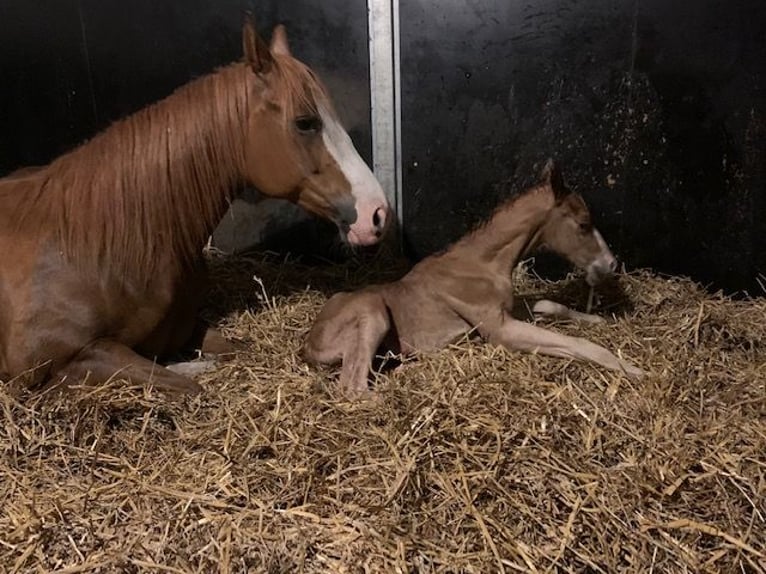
475	460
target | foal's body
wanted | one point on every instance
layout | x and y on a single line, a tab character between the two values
101	271
469	287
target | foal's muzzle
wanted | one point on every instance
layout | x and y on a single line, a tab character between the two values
604	263
602	267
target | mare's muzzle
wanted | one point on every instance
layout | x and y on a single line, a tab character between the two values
371	224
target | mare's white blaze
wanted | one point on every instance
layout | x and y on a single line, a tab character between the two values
603	264
370	202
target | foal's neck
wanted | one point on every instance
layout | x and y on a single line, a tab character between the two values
511	232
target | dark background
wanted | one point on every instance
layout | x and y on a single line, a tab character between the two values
70	67
655	108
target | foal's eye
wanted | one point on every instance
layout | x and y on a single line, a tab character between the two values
308	124
586	227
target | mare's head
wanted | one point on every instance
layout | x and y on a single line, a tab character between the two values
296	148
569	230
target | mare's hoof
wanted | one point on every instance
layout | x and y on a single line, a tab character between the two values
178	389
216	344
192	368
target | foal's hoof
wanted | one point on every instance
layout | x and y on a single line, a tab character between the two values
553	310
367	396
632	371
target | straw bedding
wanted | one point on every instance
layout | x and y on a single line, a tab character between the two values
475	460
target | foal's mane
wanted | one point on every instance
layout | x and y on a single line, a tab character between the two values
507	204
158	181
478	227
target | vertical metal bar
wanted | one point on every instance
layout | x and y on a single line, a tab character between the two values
397	114
383	28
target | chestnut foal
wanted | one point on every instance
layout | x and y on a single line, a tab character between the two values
469	287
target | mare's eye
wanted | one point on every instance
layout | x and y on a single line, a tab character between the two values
586	227
308	124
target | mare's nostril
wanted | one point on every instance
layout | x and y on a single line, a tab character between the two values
379	218
613	265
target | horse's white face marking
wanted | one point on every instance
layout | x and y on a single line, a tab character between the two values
604	264
370	203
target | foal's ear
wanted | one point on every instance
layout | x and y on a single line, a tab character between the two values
257	54
279	44
552	176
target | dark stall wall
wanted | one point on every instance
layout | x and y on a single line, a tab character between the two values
655	109
45	98
70	67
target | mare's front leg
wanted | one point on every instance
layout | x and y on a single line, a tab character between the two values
106	359
521	336
213	347
350	329
210	341
182	331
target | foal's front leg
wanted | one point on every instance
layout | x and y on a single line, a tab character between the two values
521	336
553	310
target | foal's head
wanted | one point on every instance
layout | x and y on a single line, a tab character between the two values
569	230
296	149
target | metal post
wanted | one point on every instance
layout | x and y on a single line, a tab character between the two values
383	29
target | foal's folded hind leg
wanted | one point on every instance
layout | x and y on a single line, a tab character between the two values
360	344
105	360
522	336
349	329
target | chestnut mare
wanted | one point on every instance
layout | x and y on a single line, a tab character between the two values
102	271
469	287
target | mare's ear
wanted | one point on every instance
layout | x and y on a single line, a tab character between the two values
279	44
552	176
257	54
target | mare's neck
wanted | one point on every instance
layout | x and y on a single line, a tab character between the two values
154	186
510	233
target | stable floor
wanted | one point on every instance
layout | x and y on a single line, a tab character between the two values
475	459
